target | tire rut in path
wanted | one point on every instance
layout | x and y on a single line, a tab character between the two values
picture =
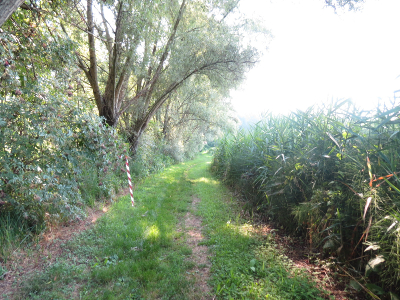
201	272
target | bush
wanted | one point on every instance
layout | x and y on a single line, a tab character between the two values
48	150
150	157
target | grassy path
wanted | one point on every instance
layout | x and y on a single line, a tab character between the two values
184	231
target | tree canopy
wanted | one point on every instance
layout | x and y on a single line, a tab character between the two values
132	55
348	4
152	49
157	72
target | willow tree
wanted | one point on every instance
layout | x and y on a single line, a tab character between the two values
193	115
152	48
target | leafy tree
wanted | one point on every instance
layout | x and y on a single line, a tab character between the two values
349	4
194	114
7	7
48	149
31	51
152	49
50	146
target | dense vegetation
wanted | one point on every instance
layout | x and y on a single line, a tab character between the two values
144	253
329	174
84	82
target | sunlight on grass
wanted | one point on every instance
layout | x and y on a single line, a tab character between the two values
152	233
243	229
205	180
141	254
244	265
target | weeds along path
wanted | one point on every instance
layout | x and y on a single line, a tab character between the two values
184	239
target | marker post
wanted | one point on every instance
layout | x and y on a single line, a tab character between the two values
128	173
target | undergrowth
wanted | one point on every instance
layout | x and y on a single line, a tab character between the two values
140	252
330	175
132	253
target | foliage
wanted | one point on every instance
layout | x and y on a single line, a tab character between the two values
142	252
195	115
347	4
47	40
47	147
137	61
30	51
56	157
244	266
334	169
151	156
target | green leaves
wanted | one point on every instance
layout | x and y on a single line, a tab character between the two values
45	151
316	166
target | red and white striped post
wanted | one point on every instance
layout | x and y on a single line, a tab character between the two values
129	179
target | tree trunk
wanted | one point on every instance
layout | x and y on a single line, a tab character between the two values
134	138
133	143
108	114
166	121
7	7
91	72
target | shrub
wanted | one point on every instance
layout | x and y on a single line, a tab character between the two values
48	150
150	157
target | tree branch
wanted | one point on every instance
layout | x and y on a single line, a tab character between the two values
7	7
92	72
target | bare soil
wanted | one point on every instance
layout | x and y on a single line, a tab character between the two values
201	271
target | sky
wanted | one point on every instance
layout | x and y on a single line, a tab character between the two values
316	55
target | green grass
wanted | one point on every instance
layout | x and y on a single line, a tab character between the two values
243	265
14	234
138	253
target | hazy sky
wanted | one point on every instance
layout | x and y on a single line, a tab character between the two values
317	55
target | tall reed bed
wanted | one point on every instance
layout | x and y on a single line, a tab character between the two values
330	174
